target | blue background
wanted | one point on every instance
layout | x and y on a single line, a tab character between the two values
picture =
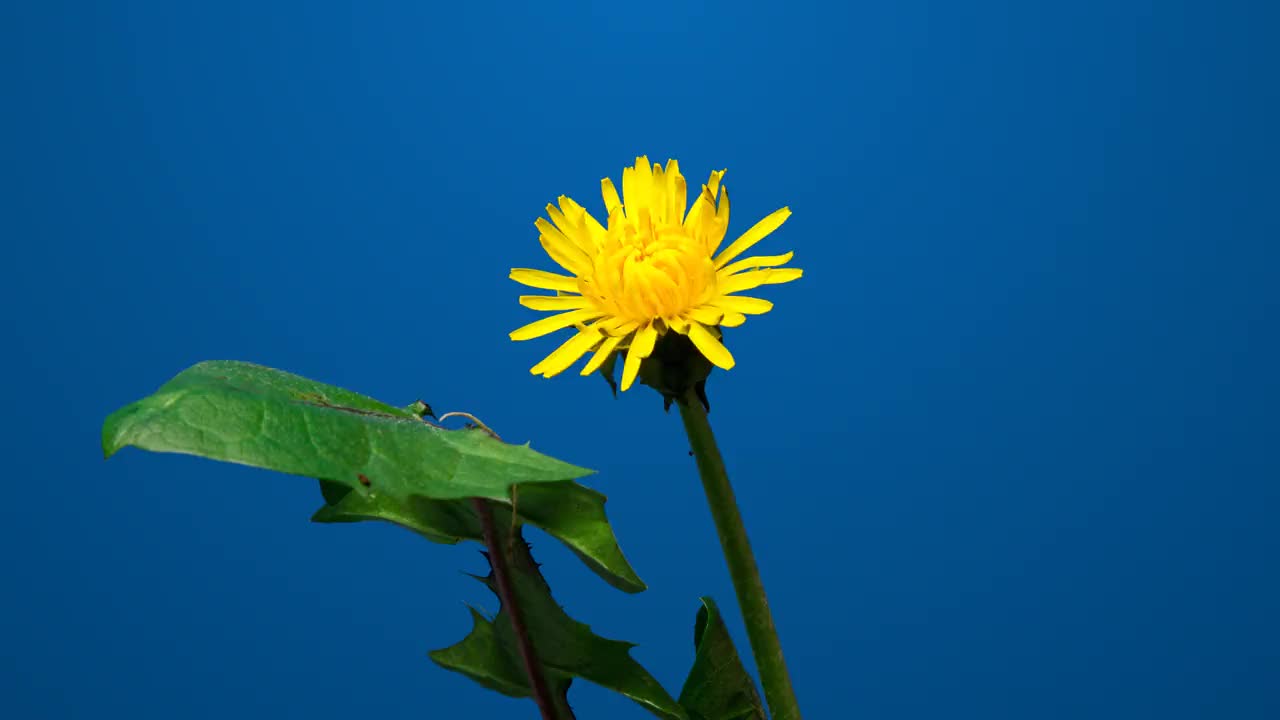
1008	450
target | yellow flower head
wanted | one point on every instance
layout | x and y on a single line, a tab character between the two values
653	269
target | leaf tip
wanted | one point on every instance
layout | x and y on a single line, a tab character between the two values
118	429
111	437
108	449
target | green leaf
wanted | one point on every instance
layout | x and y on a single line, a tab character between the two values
718	687
253	415
565	647
482	658
441	521
567	511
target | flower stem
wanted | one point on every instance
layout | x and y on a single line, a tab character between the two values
506	593
742	563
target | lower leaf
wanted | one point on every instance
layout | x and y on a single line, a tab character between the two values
718	686
565	647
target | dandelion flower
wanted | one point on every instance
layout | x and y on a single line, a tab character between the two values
652	269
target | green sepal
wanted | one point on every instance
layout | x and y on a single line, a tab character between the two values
675	367
608	372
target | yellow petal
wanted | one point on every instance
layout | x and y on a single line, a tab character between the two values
755	263
617	326
616	218
706	315
753	236
679	192
641	348
551	324
703	206
644	340
630	367
710	347
713	183
721	224
629	204
567	354
756	278
658	193
744	305
595	231
564	256
554	302
610	193
636	182
561	249
570	229
602	353
733	319
544	280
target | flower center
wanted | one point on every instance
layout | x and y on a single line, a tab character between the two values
646	270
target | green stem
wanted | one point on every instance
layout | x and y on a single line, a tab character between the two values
742	563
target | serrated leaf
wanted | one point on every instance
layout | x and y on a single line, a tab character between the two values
564	646
482	658
254	415
718	686
567	511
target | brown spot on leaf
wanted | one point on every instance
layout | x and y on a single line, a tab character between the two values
364	480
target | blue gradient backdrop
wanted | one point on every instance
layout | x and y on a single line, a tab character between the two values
1009	450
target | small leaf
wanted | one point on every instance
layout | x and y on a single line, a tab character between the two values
253	415
718	687
567	511
421	409
564	646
